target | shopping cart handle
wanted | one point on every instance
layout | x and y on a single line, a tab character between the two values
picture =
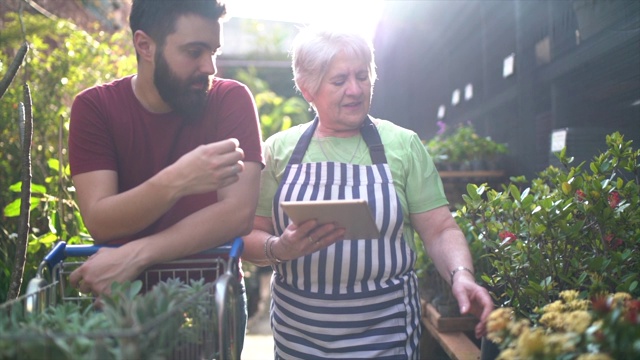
88	250
83	250
56	255
237	247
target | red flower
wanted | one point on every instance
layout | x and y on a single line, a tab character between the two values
601	304
507	237
600	336
633	310
613	243
614	199
581	196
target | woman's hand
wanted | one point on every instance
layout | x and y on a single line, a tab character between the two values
309	237
473	299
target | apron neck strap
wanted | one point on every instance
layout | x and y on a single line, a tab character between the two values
371	137
369	134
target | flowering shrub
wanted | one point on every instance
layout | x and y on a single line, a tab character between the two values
607	327
570	229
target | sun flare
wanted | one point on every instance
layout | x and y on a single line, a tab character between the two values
360	15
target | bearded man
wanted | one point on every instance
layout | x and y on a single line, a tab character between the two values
166	163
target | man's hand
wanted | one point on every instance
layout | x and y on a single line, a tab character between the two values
104	267
473	299
206	168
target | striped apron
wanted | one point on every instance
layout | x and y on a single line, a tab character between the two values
358	298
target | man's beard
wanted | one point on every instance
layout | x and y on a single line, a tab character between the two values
178	93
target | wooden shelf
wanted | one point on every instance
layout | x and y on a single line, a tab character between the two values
471	174
456	344
455	182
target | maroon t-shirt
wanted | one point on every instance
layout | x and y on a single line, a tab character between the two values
111	130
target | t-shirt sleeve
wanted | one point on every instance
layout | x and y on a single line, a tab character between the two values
268	183
90	142
424	187
239	119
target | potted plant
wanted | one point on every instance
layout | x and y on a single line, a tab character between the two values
463	149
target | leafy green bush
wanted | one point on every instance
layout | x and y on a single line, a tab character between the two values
127	324
571	229
276	112
62	60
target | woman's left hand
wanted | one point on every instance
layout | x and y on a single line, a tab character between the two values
309	237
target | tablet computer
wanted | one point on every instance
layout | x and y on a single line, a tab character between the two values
353	215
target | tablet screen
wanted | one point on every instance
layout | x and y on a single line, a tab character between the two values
353	215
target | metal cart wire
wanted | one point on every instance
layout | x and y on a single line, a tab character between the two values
204	325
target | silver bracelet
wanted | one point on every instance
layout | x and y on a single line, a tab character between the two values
266	243
273	257
459	268
268	251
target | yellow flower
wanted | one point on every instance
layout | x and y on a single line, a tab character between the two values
531	344
620	297
556	306
596	356
508	354
498	323
518	327
578	321
553	320
579	305
560	343
499	319
569	295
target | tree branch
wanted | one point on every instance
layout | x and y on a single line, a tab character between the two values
25	200
13	69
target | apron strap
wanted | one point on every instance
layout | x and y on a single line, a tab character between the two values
371	137
369	134
303	143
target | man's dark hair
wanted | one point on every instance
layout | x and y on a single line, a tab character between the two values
157	18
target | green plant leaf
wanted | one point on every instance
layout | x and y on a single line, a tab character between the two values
53	164
13	208
515	193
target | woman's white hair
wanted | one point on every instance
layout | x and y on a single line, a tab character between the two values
314	48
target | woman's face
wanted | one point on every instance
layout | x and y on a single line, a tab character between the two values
344	96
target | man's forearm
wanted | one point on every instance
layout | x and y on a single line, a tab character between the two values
212	226
109	215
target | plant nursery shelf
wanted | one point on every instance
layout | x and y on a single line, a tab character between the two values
455	182
449	332
479	174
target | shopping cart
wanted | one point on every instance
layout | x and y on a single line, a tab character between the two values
203	325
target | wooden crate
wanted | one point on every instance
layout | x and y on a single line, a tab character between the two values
447	324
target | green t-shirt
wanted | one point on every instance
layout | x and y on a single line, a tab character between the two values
415	177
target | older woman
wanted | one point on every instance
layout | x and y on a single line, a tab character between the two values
352	298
